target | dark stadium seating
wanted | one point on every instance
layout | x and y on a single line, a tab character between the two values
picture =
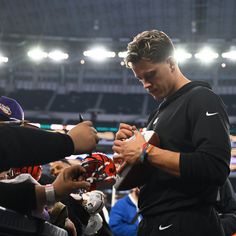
45	120
74	102
109	103
32	99
230	102
115	103
152	104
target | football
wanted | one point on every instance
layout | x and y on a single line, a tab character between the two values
131	176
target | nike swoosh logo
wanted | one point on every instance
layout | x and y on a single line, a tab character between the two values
211	114
164	227
155	121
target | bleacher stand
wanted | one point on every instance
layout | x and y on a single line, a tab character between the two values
74	102
115	103
45	120
152	104
84	102
32	99
229	100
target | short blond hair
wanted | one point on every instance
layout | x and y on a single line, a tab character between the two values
153	45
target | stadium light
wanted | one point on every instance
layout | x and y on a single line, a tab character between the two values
122	54
58	55
182	55
223	65
229	55
3	59
99	54
206	55
37	54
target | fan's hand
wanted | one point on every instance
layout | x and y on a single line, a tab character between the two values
84	137
69	180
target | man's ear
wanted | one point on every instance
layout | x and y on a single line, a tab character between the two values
172	62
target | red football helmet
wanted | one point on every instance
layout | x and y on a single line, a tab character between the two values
99	168
34	171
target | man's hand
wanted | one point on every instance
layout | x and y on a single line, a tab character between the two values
69	180
129	150
125	131
84	137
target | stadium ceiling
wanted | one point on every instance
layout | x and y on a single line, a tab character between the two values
22	21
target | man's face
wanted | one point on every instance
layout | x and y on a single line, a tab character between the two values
57	167
157	78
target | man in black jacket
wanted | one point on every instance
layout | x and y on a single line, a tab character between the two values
192	160
21	146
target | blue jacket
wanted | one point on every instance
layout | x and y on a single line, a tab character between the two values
121	216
